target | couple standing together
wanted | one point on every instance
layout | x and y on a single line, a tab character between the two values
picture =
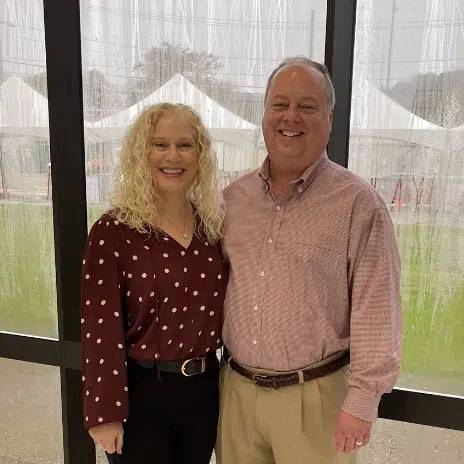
297	277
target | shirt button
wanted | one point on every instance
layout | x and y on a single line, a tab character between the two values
277	208
255	342
256	307
269	241
261	273
300	189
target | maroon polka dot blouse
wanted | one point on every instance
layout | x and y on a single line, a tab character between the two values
144	297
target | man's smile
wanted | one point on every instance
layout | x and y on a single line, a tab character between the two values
289	133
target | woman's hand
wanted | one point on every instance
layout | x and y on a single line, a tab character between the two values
108	436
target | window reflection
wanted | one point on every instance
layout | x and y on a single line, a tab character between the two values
407	141
27	271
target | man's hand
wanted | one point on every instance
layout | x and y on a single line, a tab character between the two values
108	436
351	433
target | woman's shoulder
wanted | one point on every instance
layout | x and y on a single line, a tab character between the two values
108	225
106	219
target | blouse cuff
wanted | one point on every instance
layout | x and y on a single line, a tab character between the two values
97	419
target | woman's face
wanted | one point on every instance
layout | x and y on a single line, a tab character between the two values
173	155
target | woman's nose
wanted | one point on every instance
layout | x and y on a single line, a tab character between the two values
173	152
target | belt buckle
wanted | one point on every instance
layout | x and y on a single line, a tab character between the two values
257	377
185	363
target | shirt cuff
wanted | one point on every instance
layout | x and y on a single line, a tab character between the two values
361	404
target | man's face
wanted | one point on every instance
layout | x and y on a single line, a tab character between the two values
297	119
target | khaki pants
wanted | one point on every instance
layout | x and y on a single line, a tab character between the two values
289	425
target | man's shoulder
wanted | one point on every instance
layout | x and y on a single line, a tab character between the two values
246	184
352	186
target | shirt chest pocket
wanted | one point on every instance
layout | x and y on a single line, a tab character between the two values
313	272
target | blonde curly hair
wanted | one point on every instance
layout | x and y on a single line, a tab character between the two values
136	201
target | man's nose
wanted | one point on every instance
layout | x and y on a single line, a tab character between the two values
292	114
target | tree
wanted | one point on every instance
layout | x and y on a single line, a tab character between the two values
438	98
100	96
161	63
164	61
38	82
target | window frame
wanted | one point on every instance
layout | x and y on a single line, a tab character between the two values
67	153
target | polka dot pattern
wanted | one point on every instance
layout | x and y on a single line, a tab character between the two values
165	289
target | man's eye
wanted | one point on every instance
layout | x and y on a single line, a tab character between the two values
279	106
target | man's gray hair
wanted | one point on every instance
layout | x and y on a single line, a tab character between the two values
302	60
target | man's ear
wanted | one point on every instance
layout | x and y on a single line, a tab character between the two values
331	119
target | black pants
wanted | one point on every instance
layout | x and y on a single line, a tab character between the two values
172	421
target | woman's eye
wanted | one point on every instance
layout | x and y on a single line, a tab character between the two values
159	145
186	145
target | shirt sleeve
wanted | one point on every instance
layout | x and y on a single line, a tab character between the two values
104	371
376	320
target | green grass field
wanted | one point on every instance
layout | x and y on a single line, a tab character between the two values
27	268
432	286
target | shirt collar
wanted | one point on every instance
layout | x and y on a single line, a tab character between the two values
306	178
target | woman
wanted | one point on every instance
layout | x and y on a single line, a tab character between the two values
152	294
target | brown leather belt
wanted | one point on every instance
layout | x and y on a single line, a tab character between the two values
284	380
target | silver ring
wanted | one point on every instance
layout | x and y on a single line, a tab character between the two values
358	443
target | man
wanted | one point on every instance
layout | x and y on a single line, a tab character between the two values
314	286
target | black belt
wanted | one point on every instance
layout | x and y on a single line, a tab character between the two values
283	380
186	367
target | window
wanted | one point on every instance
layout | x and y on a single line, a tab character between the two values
214	55
27	270
406	141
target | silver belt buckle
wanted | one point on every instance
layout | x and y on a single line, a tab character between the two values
184	365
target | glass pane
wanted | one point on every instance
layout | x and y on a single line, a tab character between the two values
30	422
401	443
27	273
215	55
407	141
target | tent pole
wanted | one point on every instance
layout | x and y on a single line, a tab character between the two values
4	189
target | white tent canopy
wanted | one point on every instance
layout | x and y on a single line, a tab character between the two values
23	111
456	138
223	124
379	116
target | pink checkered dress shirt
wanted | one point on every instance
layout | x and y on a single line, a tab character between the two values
311	274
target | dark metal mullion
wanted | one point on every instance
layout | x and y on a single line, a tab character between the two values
67	155
402	405
423	408
40	350
339	54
